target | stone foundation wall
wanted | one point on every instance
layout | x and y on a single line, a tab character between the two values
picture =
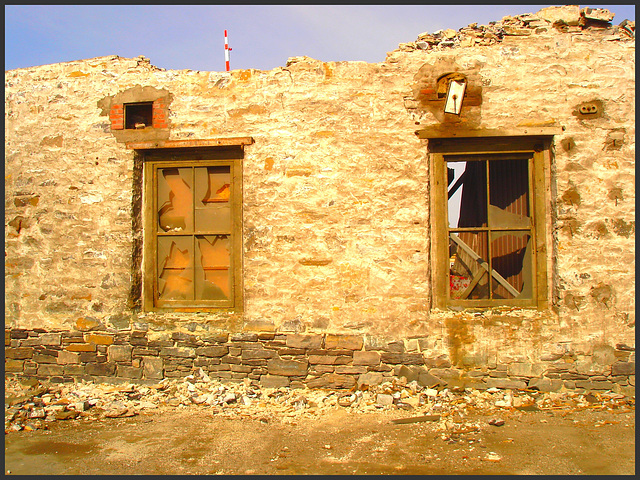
271	359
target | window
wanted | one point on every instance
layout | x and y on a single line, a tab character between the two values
193	218
489	206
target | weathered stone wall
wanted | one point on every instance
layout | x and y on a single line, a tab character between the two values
336	193
289	360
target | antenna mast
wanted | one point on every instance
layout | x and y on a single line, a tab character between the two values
226	50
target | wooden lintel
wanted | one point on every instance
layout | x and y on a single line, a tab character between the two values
209	142
449	131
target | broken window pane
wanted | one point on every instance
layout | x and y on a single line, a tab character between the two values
511	259
175	211
213	279
213	190
175	268
468	273
467	203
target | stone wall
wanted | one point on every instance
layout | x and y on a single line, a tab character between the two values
336	197
296	361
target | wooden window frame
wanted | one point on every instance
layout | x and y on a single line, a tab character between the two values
191	157
539	149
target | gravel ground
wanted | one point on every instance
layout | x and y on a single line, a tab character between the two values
197	425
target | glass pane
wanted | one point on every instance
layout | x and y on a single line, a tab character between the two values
175	203
509	193
467	205
511	259
175	268
468	268
213	273
213	190
216	218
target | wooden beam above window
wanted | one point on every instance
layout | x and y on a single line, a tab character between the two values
448	131
209	142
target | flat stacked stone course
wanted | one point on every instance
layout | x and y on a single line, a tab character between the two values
291	360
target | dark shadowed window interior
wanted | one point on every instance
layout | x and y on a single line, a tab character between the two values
138	115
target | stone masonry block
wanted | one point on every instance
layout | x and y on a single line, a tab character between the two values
30	368
402	358
44	358
320	369
370	379
212	351
128	372
522	369
119	353
332	380
506	383
546	384
257	353
255	362
273	381
98	339
11	365
322	359
50	339
623	368
291	351
17	333
304	341
101	369
68	357
287	368
366	358
241	368
594	385
50	370
80	347
229	359
73	370
349	342
350	369
243	337
410	373
184	352
18	353
426	379
217	338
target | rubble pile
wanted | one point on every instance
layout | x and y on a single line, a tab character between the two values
565	19
31	404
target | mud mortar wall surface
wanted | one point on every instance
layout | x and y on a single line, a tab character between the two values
335	202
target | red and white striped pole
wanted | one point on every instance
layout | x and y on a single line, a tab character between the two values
226	50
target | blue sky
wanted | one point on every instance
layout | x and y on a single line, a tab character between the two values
261	37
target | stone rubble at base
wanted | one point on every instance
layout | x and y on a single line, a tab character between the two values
31	404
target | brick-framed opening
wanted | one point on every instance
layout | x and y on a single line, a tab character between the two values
151	107
154	114
138	115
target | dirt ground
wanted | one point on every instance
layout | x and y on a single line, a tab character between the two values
197	441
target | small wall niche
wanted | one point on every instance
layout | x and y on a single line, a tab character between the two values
138	115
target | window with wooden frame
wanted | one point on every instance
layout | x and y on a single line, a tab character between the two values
490	221
192	224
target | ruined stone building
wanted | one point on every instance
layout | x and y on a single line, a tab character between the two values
461	213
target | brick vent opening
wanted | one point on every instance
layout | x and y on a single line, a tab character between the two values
138	115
